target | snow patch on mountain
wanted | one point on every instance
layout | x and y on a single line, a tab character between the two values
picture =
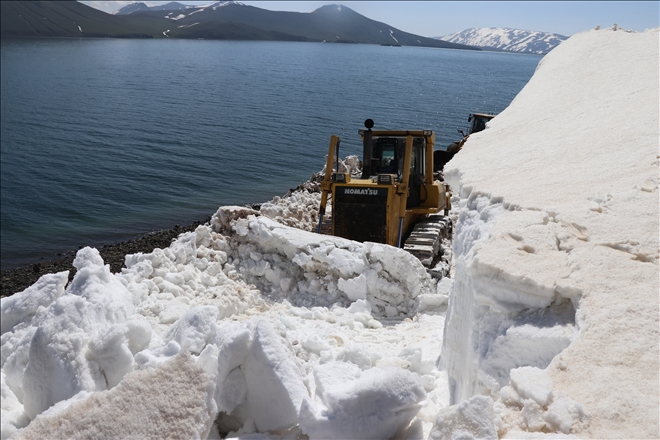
172	6
505	39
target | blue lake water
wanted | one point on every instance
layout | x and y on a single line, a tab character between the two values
106	139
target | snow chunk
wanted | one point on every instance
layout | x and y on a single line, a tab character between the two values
376	404
194	329
275	388
309	269
233	342
59	363
471	419
221	220
532	383
173	398
23	305
564	413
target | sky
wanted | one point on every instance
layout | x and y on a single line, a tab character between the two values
440	18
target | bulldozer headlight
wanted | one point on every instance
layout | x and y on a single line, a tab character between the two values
384	179
339	178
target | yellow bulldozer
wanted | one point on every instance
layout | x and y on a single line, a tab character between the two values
396	200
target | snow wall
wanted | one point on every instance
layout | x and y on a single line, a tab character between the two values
556	245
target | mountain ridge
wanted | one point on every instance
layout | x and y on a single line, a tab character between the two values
328	23
141	6
69	19
220	20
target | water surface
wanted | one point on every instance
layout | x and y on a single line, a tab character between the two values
105	139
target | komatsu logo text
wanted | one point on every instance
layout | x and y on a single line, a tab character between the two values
368	192
361	192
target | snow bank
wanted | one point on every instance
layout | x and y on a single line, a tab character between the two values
228	331
556	245
316	270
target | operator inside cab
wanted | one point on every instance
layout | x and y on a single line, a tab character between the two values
385	153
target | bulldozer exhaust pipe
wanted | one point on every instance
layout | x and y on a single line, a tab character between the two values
366	150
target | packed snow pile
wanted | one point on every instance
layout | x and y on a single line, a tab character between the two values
268	328
311	270
252	326
559	227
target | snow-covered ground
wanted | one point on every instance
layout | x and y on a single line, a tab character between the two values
254	327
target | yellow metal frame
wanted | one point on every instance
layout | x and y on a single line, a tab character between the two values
437	194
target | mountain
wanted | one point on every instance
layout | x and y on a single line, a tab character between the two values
133	7
330	23
507	40
220	20
70	19
139	6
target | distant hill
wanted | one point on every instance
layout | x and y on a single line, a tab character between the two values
507	40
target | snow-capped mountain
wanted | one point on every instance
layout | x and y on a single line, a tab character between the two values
509	40
172	6
133	7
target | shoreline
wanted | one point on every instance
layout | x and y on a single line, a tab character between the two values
17	279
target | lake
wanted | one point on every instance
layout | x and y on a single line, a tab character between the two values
105	139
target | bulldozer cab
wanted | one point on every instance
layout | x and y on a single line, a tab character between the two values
387	154
443	155
479	121
388	157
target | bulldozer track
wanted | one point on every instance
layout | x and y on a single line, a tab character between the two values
425	243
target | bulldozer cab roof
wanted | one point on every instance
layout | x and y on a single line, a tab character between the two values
482	115
399	133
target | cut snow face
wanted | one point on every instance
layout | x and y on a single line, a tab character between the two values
253	326
559	223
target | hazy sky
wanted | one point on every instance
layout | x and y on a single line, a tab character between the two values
439	18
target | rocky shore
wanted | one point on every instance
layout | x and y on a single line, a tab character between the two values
18	279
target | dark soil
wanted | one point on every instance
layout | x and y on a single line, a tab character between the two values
18	279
